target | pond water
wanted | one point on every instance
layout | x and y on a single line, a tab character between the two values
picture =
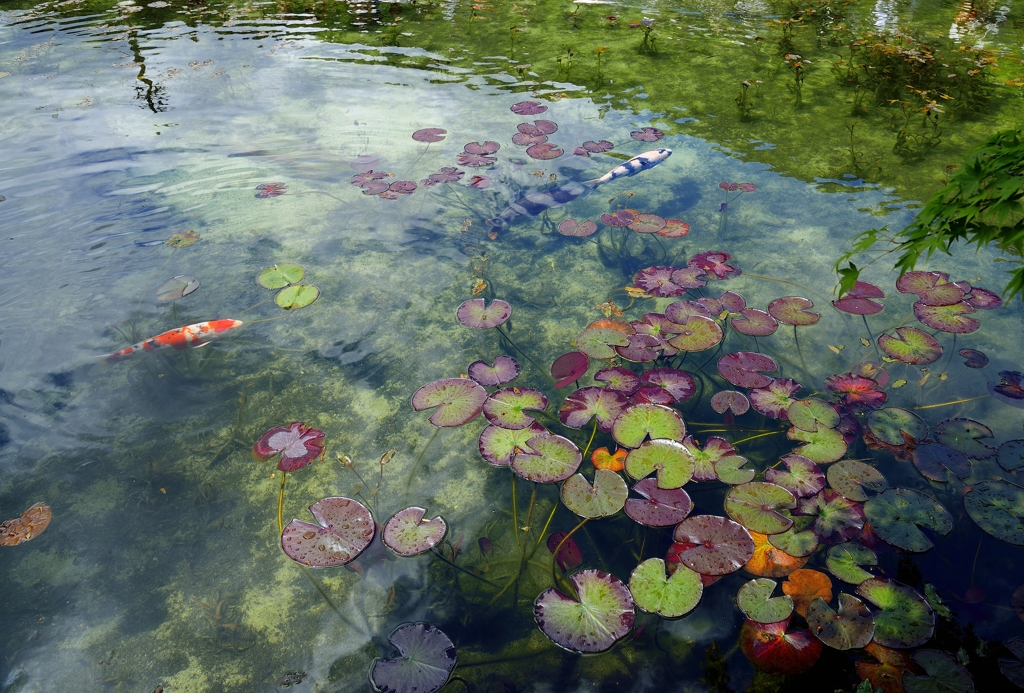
192	138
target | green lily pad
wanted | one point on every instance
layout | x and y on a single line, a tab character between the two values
597	342
904	618
849	628
715	450
896	514
408	534
845	561
606	497
798	540
756	504
296	296
756	601
998	508
671	459
603	613
965	435
507	407
893	425
911	346
731	470
553	458
803	478
822	446
850	478
458	400
670	598
809	414
943	674
640	420
280	276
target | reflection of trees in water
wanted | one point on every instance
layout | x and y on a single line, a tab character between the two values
152	94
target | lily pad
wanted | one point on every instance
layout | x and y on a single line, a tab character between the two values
677	383
756	323
943	674
965	435
792	310
1013	669
774	399
886	675
911	345
756	506
569	368
589	402
504	370
429	135
998	508
730	400
904	618
836	519
280	276
345	529
1010	455
732	470
803	478
606	497
176	287
742	369
551	458
458	401
973	358
851	477
756	601
811	414
603	613
647	223
799	540
706	461
806	585
1010	389
427	659
408	534
697	333
659	507
895	426
848	628
670	458
475	313
715	545
936	460
619	380
952	318
296	296
597	342
637	422
774	650
507	408
896	514
845	561
770	561
569	555
298	445
669	597
499	445
822	446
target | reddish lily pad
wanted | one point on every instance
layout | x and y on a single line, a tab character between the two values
30	525
672	461
474	313
678	383
845	561
499	445
836	519
803	477
687	277
528	108
943	674
935	461
507	408
345	528
947	318
618	380
755	322
621	217
1010	389
965	435
886	675
858	306
606	497
408	534
638	421
792	310
756	506
774	399
756	601
551	458
853	479
911	346
647	223
774	650
806	585
429	135
659	507
856	391
427	659
569	555
706	461
716	545
896	513
458	401
715	264
904	618
589	402
730	400
504	370
669	597
998	508
850	627
742	369
603	613
770	561
697	333
569	368
298	445
597	342
983	299
652	394
544	151
674	228
919	282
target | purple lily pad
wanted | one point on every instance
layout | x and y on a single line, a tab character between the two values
742	369
598	147
657	281
507	407
754	322
679	383
364	178
408	534
837	518
544	151
569	368
674	228
715	264
716	545
271	189
647	134
427	659
447	174
660	507
375	187
487	147
983	299
1010	389
792	310
525	108
474	160
429	135
618	379
538	127
604	613
919	282
499	445
730	302
524	140
641	348
298	445
569	555
731	400
345	529
942	295
774	399
652	394
858	300
551	458
951	318
647	223
570	227
622	217
688	277
458	401
716	451
803	479
973	358
935	460
504	370
696	333
473	313
911	346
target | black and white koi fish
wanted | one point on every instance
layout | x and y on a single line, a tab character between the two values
535	203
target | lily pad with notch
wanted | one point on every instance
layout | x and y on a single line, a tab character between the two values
1010	455
602	613
799	540
803	477
965	435
851	627
458	401
475	313
669	597
754	322
756	506
427	659
745	368
297	443
896	514
499	445
836	518
659	507
811	414
507	407
911	345
792	310
176	287
714	545
639	421
936	461
769	560
998	508
345	529
823	446
669	458
845	561
774	399
550	458
853	478
280	276
504	370
697	333
569	368
716	450
952	318
590	402
806	585
730	400
605	498
943	674
296	296
597	342
679	384
408	534
772	648
896	427
618	379
756	601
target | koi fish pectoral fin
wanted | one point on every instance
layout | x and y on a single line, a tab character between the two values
198	343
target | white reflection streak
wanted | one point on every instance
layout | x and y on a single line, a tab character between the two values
884	14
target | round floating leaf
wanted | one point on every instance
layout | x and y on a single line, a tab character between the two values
345	528
811	414
176	287
570	227
803	478
659	507
408	534
674	228
845	561
458	400
919	282
822	446
602	459
942	675
717	545
280	276
528	108
896	513
953	318
730	470
427	659
769	560
670	458
756	506
670	597
792	310
850	478
677	383
429	135
603	614
619	380
731	400
755	322
911	346
887	673
798	540
965	435
804	586
504	370
895	426
741	369
773	650
998	508
597	342
553	458
1010	389
474	313
641	420
507	407
756	601
904	618
589	402
298	445
697	333
1010	455
837	518
499	445
935	460
569	367
647	223
858	306
296	296
775	399
973	358
606	497
849	628
544	151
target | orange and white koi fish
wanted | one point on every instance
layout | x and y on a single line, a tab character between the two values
189	336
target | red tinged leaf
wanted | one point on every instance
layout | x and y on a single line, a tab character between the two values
569	555
887	674
298	445
772	650
742	369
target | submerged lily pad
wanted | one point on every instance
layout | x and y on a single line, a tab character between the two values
408	534
848	628
507	408
296	296
943	674
660	507
458	400
742	369
298	445
670	458
551	458
606	497
965	435
756	601
637	422
756	506
670	597
936	460
911	346
589	402
998	508
176	287
715	545
904	618
896	514
280	276
845	561
429	135
345	529
1010	455
504	370
973	358
851	477
427	659
604	613
475	313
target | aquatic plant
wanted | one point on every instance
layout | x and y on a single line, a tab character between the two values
30	525
429	135
427	658
271	189
176	287
343	531
408	534
297	444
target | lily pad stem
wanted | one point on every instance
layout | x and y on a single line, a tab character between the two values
554	554
875	344
280	505
330	602
590	442
798	351
504	333
416	464
461	569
